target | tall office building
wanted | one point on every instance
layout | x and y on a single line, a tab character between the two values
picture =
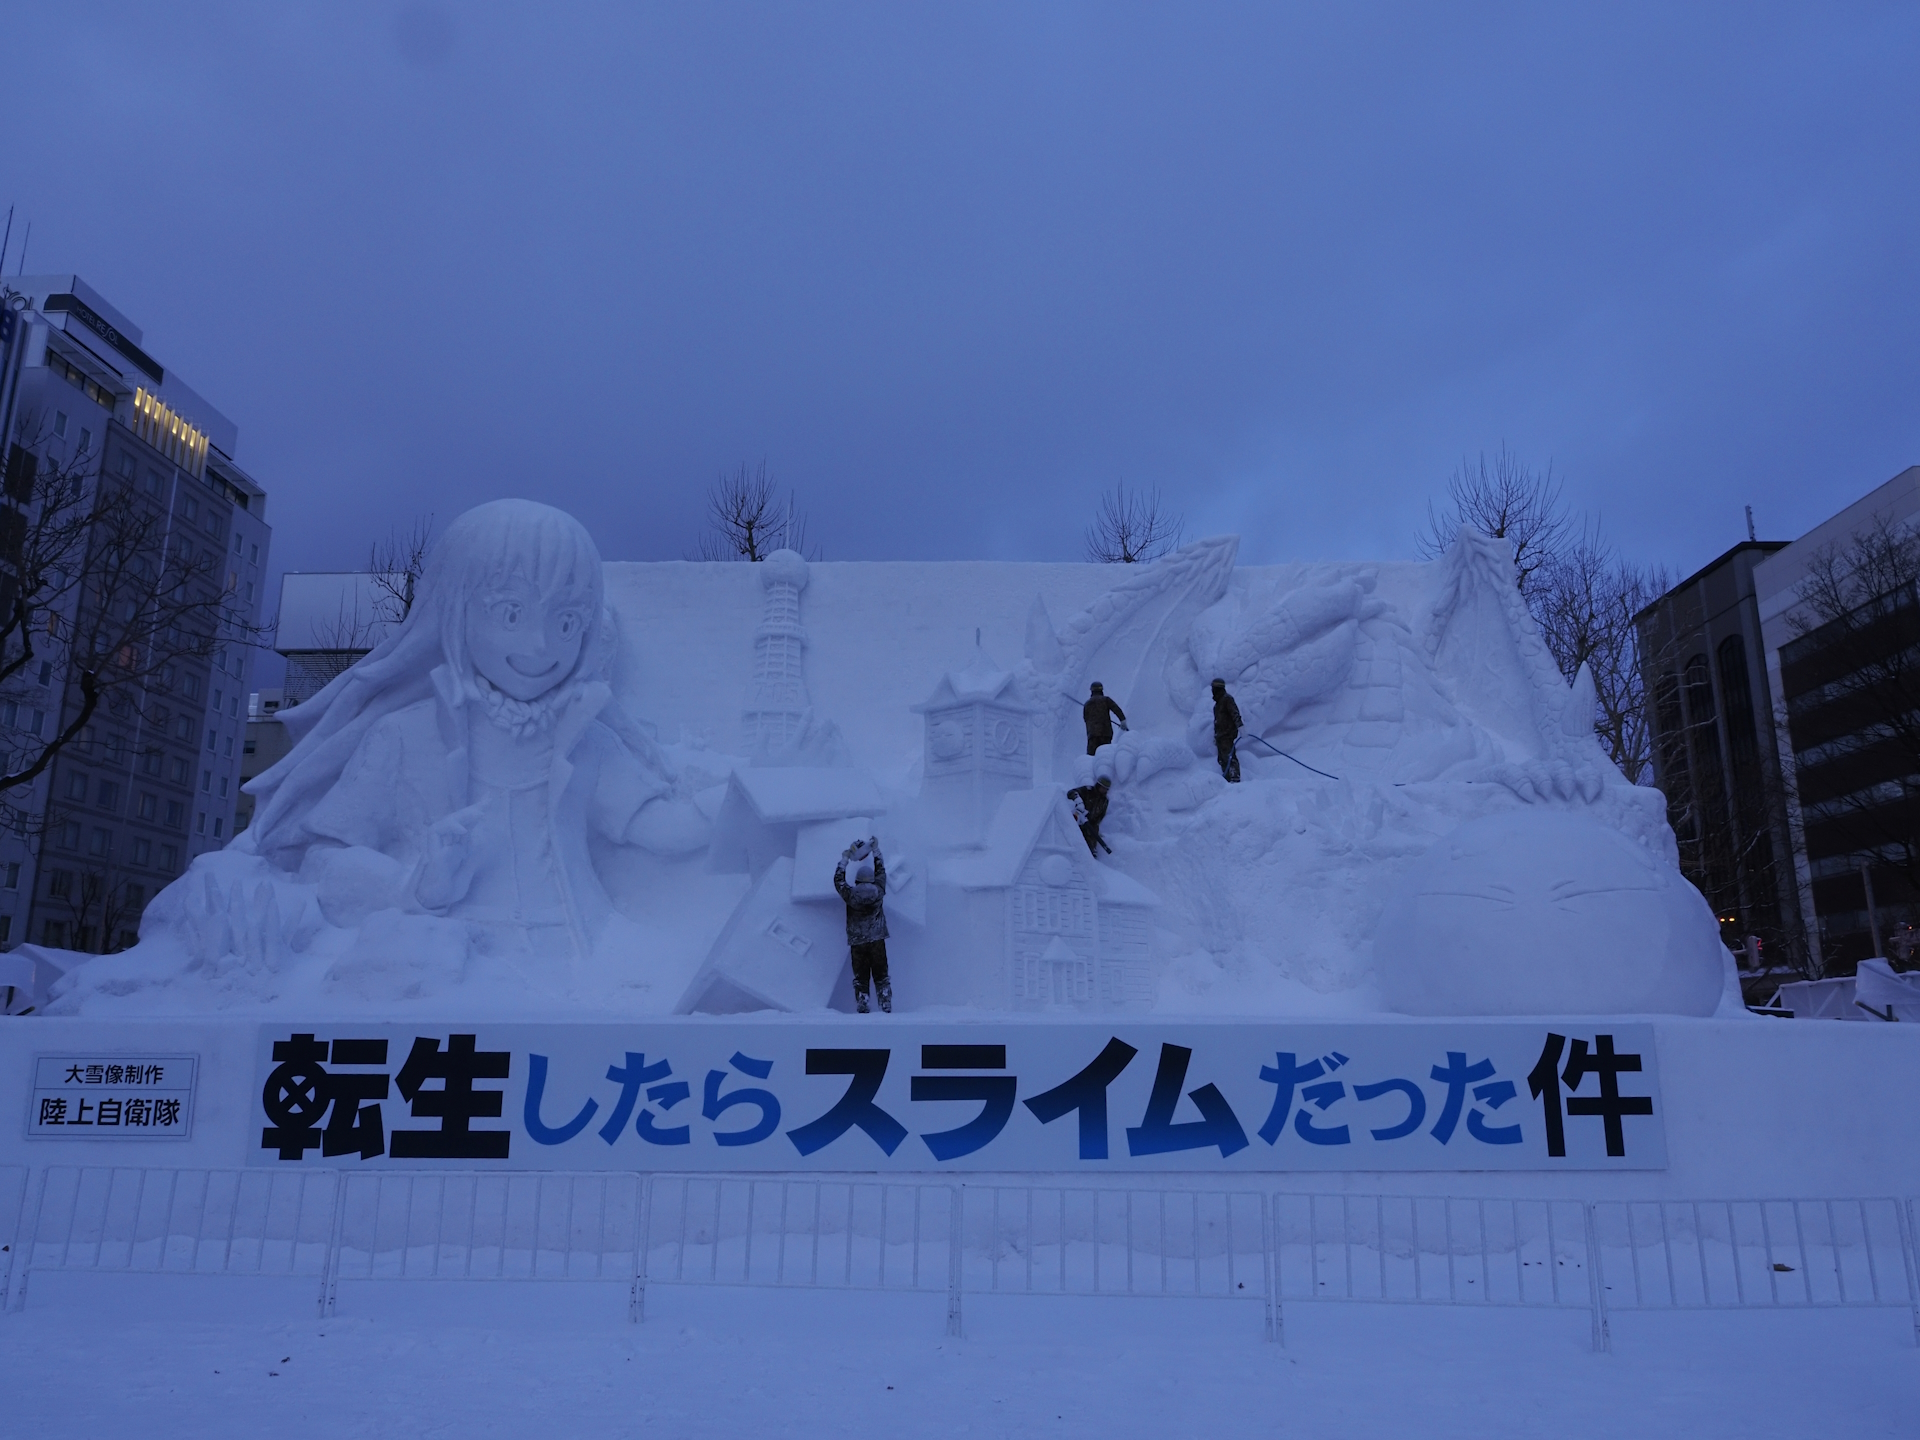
1847	695
144	788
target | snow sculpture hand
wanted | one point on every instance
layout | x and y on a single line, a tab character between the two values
449	863
1535	780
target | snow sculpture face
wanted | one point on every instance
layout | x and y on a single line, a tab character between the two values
522	642
1545	912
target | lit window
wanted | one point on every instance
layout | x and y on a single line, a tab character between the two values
157	424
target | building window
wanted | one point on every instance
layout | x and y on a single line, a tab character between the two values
60	422
108	795
86	439
200	826
233	713
60	884
101	842
76	787
46	673
157	424
149	806
191	509
193	687
184	729
206	781
70	835
253	554
218	821
6	928
13	875
169	858
175	815
53	933
212	737
149	762
229	746
223	787
179	771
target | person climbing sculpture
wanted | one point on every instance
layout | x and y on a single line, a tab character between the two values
1226	729
1089	809
866	920
1100	712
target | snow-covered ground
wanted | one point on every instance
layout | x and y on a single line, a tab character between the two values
97	1358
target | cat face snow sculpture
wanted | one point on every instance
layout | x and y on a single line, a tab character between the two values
1546	912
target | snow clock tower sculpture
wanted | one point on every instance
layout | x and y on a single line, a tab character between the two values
777	714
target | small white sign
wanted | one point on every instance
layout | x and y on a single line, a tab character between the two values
112	1097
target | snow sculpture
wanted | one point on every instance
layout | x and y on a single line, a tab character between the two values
444	795
1546	912
1427	823
1019	916
779	709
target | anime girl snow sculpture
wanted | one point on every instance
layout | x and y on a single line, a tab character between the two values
462	767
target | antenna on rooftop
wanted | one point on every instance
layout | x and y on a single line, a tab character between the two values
7	241
1750	534
23	248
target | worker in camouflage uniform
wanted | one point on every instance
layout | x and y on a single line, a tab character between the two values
1089	809
1226	729
1100	712
866	920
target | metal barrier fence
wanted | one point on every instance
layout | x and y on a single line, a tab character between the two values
1754	1255
1045	1240
817	1234
13	1203
931	1236
490	1225
195	1222
1429	1250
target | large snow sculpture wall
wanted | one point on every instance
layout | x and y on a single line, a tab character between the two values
1410	750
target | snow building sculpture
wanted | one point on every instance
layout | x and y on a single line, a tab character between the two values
1019	916
778	712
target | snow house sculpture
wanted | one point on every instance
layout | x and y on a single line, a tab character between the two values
1018	914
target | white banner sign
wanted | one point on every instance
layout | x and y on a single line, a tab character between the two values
111	1097
911	1096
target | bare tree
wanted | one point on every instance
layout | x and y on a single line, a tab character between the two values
103	906
99	603
1131	527
1584	597
396	565
748	520
1508	500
